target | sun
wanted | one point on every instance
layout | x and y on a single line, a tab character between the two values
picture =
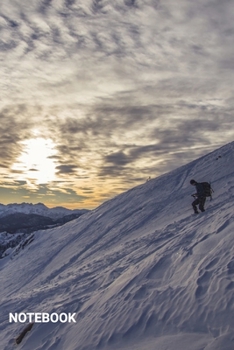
36	160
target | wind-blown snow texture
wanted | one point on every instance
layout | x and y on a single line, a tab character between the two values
141	271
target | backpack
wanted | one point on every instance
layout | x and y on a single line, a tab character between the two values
207	189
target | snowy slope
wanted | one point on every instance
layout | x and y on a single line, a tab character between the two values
39	209
141	271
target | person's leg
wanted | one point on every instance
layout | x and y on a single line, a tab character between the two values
202	201
194	204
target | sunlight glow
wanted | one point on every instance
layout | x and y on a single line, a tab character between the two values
35	162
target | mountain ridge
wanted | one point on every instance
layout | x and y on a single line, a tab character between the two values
39	209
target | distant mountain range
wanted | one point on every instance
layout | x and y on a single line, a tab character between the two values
19	220
27	217
38	209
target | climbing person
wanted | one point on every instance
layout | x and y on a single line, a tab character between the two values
200	196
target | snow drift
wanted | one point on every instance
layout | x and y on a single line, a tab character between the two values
141	271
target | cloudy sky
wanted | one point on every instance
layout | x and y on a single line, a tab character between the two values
98	95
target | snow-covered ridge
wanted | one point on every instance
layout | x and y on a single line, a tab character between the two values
39	209
141	271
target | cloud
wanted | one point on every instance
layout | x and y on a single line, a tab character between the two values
66	169
15	126
124	89
117	158
17	192
20	183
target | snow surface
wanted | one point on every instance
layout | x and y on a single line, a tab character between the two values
141	271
